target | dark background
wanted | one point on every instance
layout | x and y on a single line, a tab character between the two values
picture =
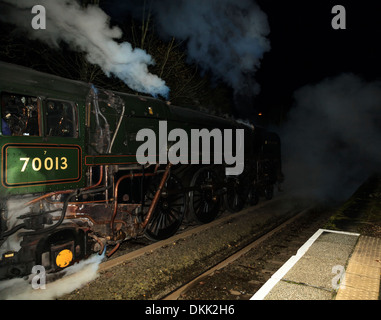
306	49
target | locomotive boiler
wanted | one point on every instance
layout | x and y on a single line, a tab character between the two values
71	183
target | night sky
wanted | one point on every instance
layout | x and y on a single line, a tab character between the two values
306	49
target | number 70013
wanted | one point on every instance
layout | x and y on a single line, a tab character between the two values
57	163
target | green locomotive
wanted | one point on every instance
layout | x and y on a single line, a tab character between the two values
71	183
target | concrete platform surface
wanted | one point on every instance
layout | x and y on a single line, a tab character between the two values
330	265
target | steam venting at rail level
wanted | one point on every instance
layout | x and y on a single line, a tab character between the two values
48	287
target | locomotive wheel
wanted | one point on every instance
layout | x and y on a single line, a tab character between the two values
169	212
236	195
204	198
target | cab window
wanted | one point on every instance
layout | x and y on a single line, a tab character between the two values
60	119
19	115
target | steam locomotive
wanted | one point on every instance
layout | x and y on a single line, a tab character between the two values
71	184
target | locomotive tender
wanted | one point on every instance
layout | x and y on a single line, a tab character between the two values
71	184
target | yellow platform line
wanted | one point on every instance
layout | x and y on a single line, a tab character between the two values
362	277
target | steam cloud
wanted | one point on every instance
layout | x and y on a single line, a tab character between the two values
332	141
70	279
88	30
226	37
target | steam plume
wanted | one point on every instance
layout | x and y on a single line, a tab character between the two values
332	141
226	37
88	30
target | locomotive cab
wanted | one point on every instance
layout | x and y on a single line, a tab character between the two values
41	143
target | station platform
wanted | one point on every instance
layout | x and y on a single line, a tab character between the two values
331	265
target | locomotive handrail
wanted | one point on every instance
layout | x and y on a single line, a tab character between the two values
117	129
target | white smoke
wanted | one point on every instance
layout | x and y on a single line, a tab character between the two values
70	279
332	141
88	30
226	37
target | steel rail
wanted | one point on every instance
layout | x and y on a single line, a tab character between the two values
175	294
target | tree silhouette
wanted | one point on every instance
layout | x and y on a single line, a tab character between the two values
187	86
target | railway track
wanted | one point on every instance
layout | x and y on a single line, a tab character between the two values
162	269
240	275
177	293
182	267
